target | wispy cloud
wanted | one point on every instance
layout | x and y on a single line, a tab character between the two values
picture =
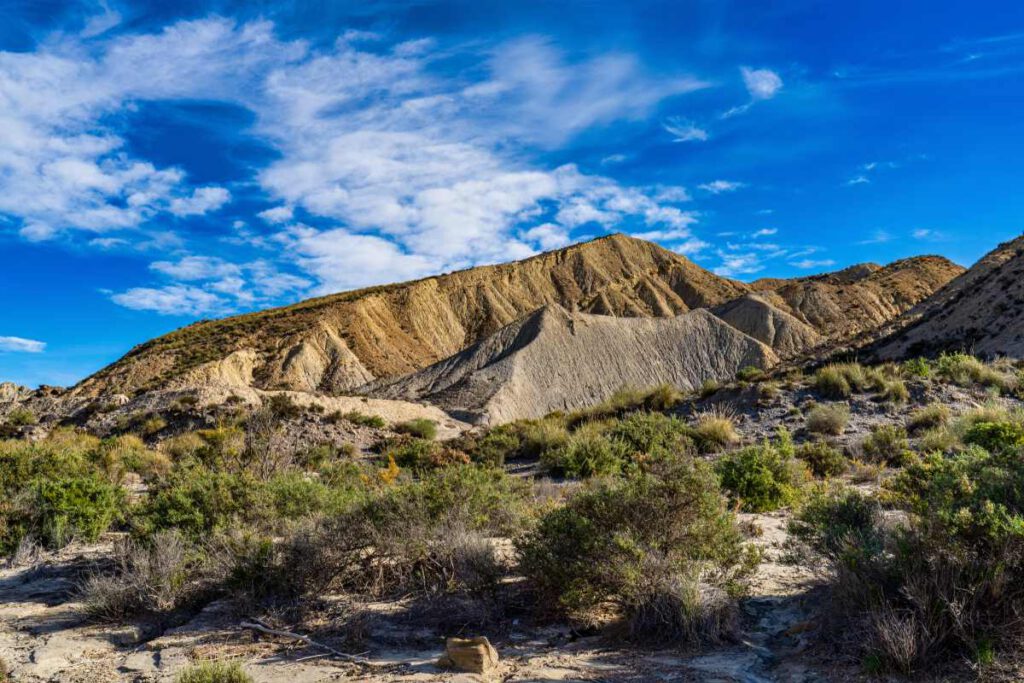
21	345
721	186
877	237
764	232
858	180
807	264
683	130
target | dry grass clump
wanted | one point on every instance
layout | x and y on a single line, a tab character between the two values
421	428
928	417
839	380
894	391
214	672
966	370
829	418
715	429
660	398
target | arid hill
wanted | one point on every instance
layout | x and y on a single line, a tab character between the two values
982	311
557	360
855	300
342	341
337	343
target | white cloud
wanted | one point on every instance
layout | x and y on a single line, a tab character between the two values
203	200
764	232
101	23
762	84
858	180
22	345
172	300
720	186
738	264
691	247
684	131
923	233
547	236
807	264
278	214
426	173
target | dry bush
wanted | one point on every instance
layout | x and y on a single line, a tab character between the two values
839	380
828	418
152	579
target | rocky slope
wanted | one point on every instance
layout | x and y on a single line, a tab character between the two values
557	360
340	342
753	315
981	311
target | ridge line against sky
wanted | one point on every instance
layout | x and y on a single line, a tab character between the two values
159	165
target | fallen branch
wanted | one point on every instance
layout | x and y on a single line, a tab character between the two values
305	639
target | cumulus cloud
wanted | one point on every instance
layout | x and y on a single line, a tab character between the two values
22	345
762	84
720	186
278	214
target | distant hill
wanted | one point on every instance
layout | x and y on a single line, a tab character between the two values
338	343
981	311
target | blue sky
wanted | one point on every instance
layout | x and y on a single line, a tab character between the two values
166	162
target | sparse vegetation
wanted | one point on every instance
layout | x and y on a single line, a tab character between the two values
828	418
358	418
21	417
421	428
750	373
966	370
928	417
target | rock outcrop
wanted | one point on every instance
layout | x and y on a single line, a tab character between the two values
557	360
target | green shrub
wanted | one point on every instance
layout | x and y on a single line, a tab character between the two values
73	508
587	453
541	436
761	478
941	439
284	407
625	400
21	417
750	373
647	432
917	367
196	500
659	538
497	446
828	418
421	428
214	672
996	436
822	459
929	417
887	444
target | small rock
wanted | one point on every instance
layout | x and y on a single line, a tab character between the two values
475	655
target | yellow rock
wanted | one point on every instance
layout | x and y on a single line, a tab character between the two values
475	655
